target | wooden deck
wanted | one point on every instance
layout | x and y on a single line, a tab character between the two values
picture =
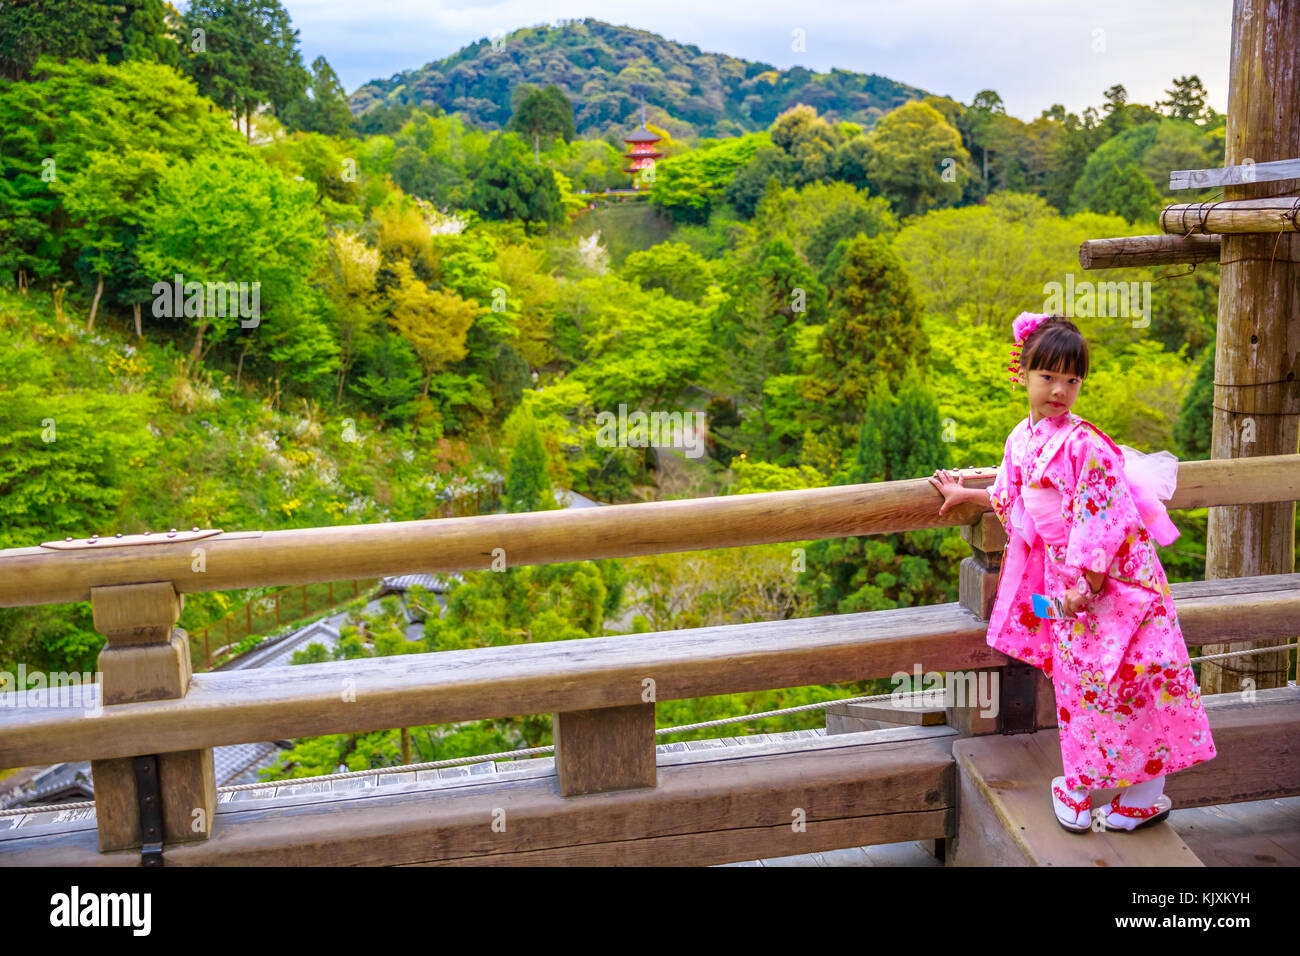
1258	833
1255	833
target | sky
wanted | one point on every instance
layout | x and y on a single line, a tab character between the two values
1034	53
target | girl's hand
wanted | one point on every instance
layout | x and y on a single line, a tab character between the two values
953	491
1074	602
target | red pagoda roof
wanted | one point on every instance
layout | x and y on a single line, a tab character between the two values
642	135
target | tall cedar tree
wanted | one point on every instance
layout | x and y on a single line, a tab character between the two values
874	327
249	55
527	486
84	30
901	437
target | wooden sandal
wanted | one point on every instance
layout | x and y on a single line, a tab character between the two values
1059	796
1150	815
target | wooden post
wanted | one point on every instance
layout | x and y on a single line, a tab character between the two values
248	612
277	607
1232	217
608	748
977	589
1257	393
1128	251
147	657
355	592
304	600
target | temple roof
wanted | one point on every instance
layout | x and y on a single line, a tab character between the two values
642	135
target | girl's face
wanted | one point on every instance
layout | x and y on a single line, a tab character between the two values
1050	393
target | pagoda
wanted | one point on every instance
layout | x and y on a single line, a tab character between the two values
641	152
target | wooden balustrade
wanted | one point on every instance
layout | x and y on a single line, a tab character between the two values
601	692
245	559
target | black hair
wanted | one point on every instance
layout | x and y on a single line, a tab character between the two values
1056	345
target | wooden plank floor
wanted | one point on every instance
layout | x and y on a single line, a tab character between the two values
1257	833
887	854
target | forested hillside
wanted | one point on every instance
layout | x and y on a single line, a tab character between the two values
606	70
827	267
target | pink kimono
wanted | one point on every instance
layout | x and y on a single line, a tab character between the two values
1128	706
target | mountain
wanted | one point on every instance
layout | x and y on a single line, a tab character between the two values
605	69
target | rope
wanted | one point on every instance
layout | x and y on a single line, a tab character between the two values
511	754
1257	650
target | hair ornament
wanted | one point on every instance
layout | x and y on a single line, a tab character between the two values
1023	326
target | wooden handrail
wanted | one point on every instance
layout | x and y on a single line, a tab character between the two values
412	689
40	575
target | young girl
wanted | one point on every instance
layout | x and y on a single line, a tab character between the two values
1080	515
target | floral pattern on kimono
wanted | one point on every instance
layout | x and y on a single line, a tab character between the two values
1129	708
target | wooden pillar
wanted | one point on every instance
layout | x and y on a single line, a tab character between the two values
148	658
977	591
1257	357
608	748
977	588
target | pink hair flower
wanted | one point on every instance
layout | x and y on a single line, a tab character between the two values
1024	324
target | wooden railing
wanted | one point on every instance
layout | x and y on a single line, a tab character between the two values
601	691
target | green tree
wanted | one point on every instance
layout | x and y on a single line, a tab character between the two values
249	55
350	284
53	127
1131	195
808	140
873	328
817	216
750	182
231	218
63	459
324	106
82	29
911	150
388	377
105	203
528	487
1194	430
542	115
671	266
901	437
1186	99
768	300
687	187
509	186
1107	185
434	321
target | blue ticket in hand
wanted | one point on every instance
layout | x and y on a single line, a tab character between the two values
1045	606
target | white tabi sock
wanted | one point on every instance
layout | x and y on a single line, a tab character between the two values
1142	794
